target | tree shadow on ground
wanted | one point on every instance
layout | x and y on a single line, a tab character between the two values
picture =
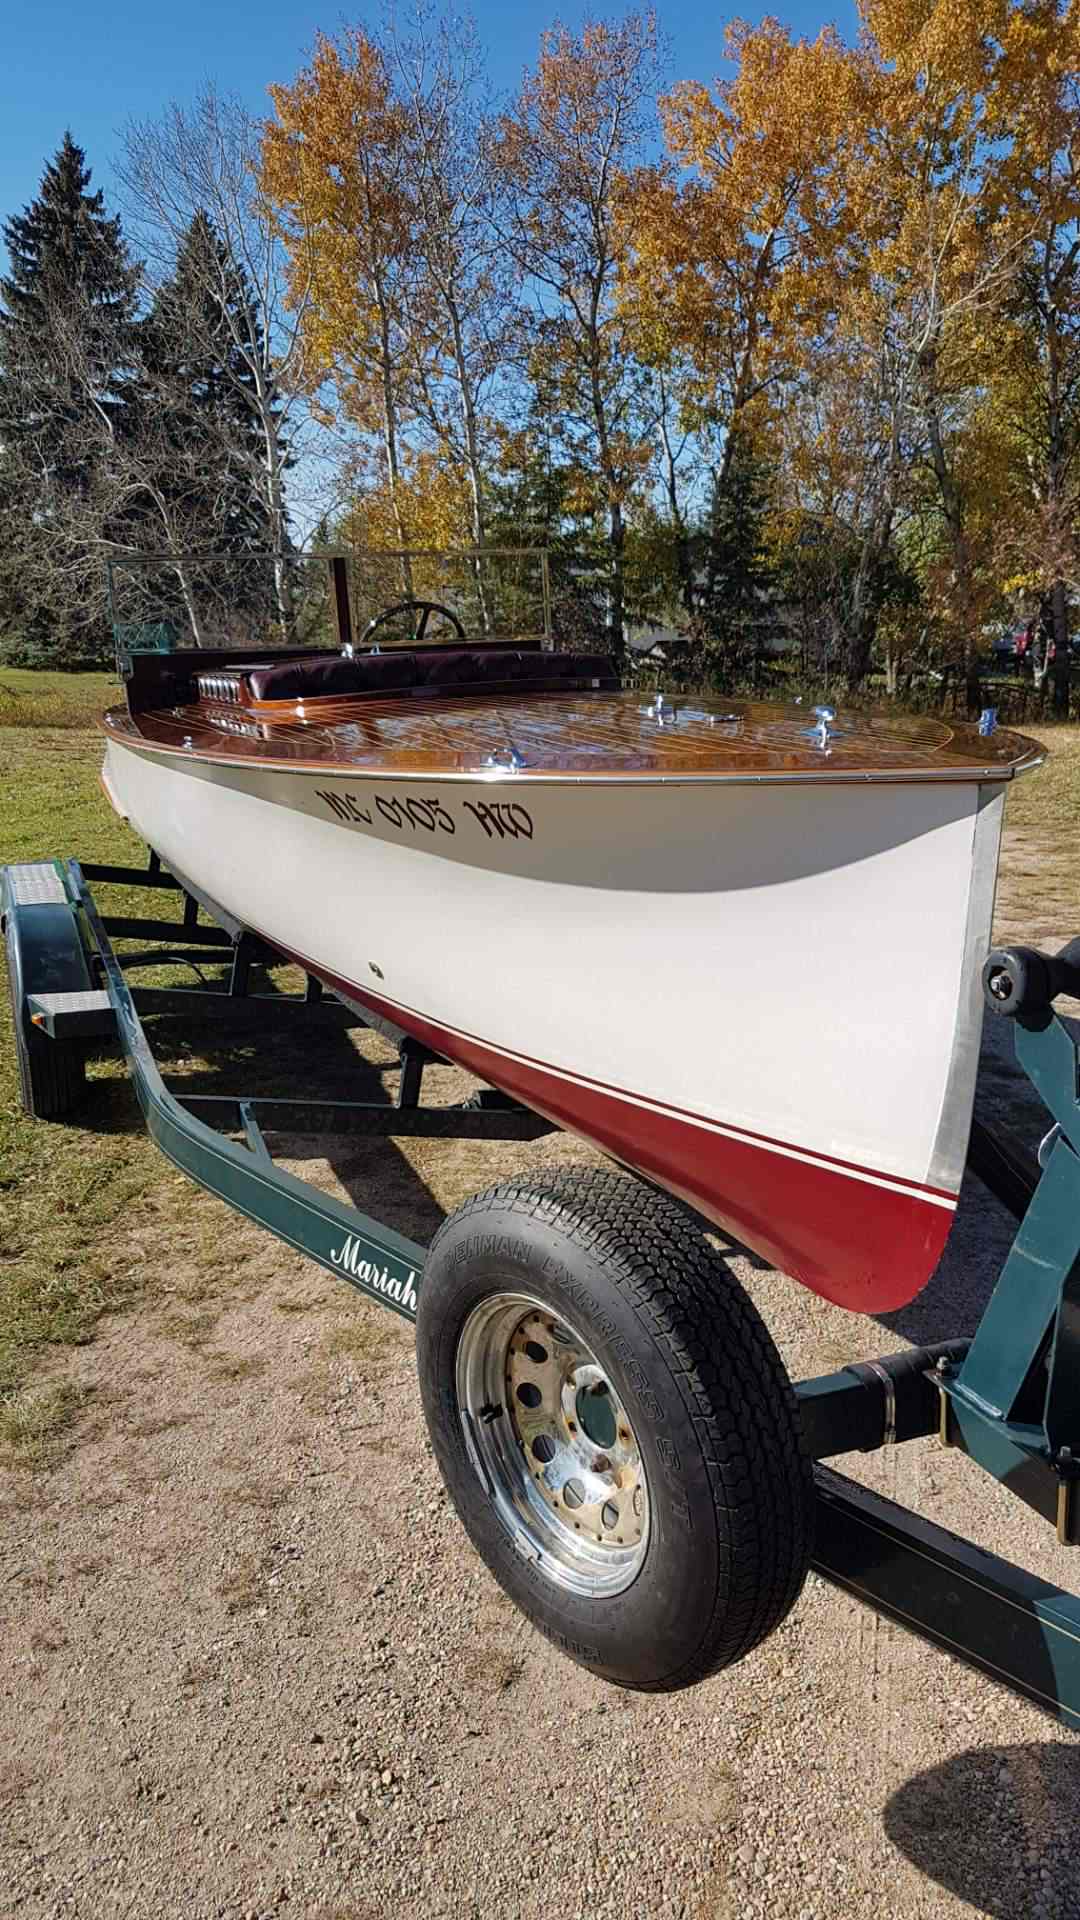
996	1826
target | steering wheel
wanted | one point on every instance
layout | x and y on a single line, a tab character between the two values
425	608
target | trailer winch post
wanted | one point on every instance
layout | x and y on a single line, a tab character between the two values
1014	1403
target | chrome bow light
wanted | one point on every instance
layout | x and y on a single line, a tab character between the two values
822	735
504	760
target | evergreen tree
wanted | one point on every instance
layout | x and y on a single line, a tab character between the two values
737	604
67	350
201	431
201	337
539	497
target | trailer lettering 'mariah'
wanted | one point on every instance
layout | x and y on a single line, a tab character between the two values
349	1258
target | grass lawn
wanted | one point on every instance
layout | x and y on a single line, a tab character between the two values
69	1194
52	700
88	1211
1048	801
1039	878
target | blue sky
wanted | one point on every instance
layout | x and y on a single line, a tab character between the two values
94	64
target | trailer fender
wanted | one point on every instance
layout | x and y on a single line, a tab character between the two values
44	950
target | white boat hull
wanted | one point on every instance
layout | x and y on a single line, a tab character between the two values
765	997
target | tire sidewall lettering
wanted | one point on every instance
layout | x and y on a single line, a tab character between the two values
475	1251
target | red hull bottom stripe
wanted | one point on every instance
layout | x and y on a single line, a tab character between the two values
860	1243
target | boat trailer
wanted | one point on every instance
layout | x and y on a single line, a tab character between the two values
1009	1397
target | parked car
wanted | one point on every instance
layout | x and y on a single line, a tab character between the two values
1019	648
1011	645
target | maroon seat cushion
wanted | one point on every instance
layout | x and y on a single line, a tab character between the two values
319	674
460	668
583	666
453	666
314	676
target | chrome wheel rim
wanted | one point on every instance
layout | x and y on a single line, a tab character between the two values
551	1440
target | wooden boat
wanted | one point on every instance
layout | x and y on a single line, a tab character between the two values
736	946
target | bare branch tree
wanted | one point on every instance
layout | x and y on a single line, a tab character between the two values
204	159
462	297
576	127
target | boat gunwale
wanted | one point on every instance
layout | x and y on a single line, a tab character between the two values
118	725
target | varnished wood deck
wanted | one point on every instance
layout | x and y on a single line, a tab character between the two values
578	736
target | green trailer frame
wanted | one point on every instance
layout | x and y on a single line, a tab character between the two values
1009	1397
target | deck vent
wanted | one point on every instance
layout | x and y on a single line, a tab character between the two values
233	723
218	686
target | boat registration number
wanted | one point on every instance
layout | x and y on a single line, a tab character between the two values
411	813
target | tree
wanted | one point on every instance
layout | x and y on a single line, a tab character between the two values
336	167
736	616
201	163
1035	375
67	359
461	301
200	341
728	236
730	230
927	259
538	499
844	450
562	149
381	172
194	464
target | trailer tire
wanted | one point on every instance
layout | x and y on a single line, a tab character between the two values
673	1535
52	1073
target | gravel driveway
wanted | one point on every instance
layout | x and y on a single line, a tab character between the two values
252	1666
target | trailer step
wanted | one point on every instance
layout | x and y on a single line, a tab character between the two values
35	884
72	1016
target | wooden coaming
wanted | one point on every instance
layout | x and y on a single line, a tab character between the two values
576	735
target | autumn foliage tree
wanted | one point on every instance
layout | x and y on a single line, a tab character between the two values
731	230
1034	378
336	169
387	198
